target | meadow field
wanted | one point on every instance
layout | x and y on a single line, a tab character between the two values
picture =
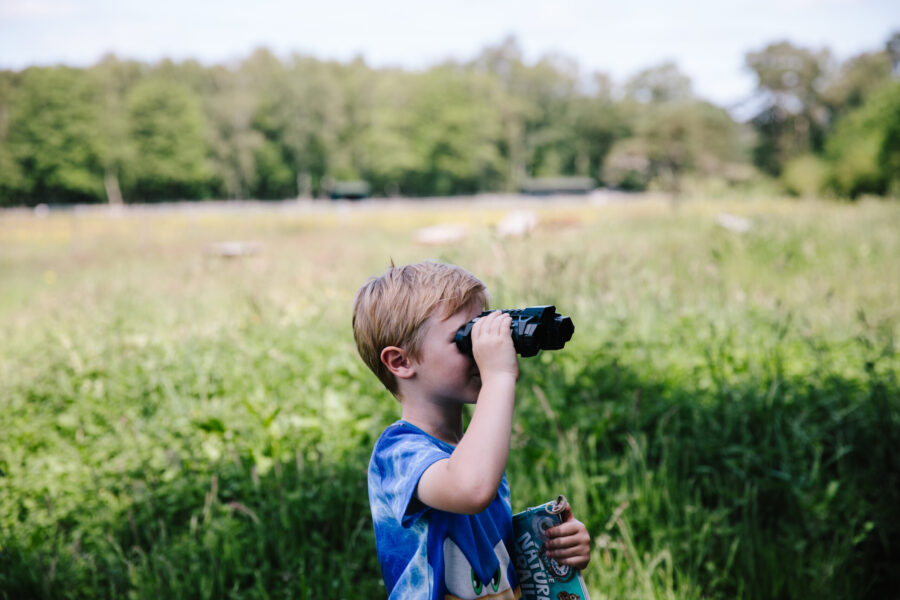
179	424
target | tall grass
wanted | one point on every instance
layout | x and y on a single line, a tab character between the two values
726	420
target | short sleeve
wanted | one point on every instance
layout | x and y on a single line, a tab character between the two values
400	457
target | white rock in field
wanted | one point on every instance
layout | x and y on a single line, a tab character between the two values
517	224
234	249
440	234
733	223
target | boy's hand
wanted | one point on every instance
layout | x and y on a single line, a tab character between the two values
569	543
492	345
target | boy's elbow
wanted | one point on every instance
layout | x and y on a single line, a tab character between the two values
477	497
467	491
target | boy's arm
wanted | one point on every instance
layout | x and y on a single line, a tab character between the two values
467	481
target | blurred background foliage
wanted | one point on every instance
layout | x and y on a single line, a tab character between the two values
267	127
178	424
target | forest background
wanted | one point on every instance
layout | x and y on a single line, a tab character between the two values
272	128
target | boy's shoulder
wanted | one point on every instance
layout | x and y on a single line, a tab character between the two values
402	434
401	455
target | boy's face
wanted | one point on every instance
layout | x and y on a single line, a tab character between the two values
444	373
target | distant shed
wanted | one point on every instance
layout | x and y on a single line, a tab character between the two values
545	186
348	190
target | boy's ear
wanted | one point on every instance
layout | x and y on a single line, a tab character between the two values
398	362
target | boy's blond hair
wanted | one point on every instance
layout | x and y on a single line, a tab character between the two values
389	310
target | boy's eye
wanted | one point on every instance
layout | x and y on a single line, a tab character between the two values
477	586
495	580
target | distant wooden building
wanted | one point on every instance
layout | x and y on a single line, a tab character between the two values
545	186
348	190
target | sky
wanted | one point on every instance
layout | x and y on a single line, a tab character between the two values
707	39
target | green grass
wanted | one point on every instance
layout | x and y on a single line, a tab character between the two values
726	420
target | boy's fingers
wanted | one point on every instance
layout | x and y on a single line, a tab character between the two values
565	529
577	562
482	325
492	324
568	552
568	541
562	543
503	325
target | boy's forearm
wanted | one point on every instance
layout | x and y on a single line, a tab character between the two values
479	461
467	481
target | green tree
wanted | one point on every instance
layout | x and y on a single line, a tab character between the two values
349	158
627	165
503	64
598	123
661	84
671	135
390	152
54	143
274	115
316	118
543	105
684	138
793	119
694	137
864	150
234	145
805	176
892	47
113	79
855	80
12	179
300	115
443	135
166	134
551	91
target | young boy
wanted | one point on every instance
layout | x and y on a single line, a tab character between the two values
439	497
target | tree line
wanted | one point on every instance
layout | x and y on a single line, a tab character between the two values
267	127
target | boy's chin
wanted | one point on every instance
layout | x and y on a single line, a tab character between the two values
476	388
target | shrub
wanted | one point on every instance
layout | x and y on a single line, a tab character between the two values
805	176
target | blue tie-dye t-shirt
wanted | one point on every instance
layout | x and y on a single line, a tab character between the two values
430	553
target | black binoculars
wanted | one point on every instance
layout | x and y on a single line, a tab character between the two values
534	328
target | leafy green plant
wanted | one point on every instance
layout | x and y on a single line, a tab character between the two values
725	420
